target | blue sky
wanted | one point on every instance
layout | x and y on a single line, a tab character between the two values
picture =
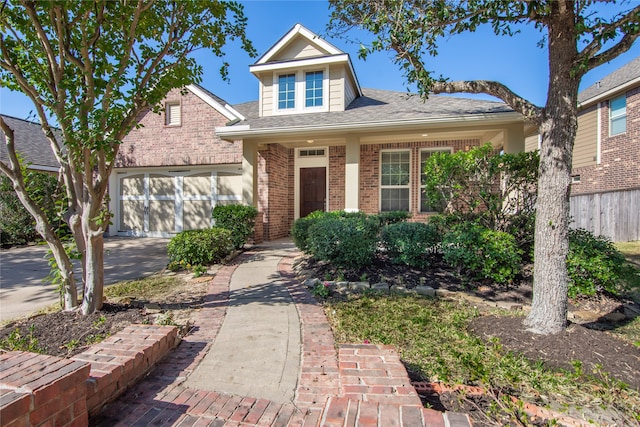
515	61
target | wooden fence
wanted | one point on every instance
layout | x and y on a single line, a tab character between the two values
615	214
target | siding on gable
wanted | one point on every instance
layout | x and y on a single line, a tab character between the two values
266	85
585	149
298	48
336	88
349	91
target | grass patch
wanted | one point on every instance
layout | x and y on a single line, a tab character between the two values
631	251
433	341
148	287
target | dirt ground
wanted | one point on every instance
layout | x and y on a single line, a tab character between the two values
65	334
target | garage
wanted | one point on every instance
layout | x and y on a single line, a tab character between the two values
160	203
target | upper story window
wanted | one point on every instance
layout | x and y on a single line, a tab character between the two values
394	180
618	115
313	89
286	91
172	114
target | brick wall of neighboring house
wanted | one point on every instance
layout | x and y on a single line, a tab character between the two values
370	171
193	142
275	190
619	167
337	164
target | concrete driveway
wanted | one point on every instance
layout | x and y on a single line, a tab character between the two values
22	270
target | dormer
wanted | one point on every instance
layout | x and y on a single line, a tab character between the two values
303	73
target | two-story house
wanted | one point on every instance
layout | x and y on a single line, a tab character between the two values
605	189
314	140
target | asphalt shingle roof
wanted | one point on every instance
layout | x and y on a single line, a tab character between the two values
30	142
376	106
622	75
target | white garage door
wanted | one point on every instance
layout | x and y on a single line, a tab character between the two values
164	203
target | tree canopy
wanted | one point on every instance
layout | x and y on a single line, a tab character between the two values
578	37
89	68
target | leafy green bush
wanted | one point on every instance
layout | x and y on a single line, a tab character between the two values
17	226
392	217
483	253
345	240
240	219
200	247
408	242
300	229
594	265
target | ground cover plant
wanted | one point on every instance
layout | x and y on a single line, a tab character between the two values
437	342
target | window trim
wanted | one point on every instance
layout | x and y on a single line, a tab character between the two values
300	91
622	115
286	92
408	186
168	122
422	186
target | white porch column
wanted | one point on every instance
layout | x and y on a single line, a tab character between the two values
514	139
352	174
249	165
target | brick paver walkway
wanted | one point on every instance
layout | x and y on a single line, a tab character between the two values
358	385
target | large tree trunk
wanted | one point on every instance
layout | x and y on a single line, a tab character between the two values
93	262
558	129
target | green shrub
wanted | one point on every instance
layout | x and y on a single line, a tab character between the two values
240	219
408	242
300	229
482	253
347	241
200	247
17	226
594	265
392	217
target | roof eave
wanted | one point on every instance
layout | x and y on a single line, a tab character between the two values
237	132
608	93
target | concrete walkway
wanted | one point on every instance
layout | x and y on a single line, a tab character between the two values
262	354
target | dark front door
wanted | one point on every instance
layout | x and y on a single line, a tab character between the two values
313	190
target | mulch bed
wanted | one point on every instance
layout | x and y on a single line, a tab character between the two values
65	334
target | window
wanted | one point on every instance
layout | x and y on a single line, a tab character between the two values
618	115
424	201
286	91
394	181
313	92
172	114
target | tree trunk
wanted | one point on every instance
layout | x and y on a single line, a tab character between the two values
93	262
558	129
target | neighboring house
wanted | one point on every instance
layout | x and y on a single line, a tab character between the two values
314	140
605	189
31	144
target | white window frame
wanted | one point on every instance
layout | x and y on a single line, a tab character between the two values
618	115
277	94
300	91
169	116
422	186
394	187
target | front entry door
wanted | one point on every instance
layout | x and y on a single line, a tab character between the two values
313	190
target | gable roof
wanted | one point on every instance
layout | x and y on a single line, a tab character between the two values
297	31
620	79
375	109
31	143
219	104
328	54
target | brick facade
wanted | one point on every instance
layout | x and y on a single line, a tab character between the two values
193	142
275	190
370	171
337	164
619	167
